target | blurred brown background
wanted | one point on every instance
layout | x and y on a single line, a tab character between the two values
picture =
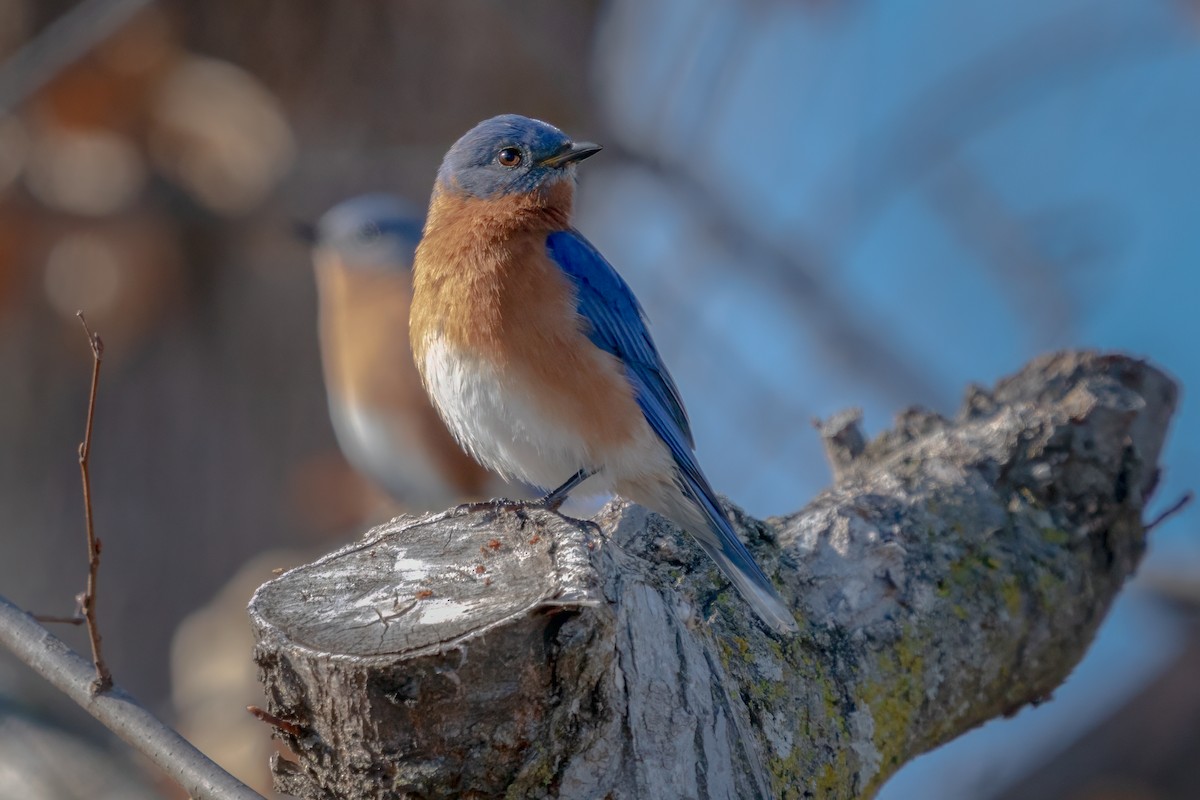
154	184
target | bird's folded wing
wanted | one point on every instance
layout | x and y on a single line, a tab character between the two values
617	325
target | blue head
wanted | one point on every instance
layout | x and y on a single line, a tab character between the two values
510	154
371	230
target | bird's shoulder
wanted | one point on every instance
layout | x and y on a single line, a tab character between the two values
617	324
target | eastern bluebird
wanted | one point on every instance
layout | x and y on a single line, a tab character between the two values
536	353
362	252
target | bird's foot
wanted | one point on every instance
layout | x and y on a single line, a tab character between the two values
495	504
550	502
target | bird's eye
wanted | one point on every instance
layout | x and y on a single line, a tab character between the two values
509	157
369	232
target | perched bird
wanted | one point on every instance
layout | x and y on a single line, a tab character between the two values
536	353
362	252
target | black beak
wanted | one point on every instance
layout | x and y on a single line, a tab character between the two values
304	231
570	153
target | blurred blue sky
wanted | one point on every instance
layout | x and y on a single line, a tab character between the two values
960	186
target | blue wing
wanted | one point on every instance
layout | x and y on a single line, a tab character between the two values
618	324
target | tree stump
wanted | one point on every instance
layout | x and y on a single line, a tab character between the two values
956	571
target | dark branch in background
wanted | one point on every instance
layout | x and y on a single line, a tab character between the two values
726	39
796	272
1007	248
88	602
66	40
116	709
932	128
719	39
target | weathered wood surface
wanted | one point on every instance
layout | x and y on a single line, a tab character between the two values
957	570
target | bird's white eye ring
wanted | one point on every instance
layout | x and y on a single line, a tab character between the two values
509	157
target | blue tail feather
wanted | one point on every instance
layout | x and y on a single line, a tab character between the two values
712	530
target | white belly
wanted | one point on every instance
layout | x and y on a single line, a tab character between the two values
499	421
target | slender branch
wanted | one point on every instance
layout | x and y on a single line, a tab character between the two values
50	657
290	728
103	680
91	686
1172	510
50	618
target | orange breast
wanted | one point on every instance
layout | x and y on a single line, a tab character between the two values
484	284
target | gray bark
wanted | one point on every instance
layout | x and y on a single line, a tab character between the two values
956	571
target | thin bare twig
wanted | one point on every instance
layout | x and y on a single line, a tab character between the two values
50	657
104	679
975	213
1171	511
278	722
50	618
61	44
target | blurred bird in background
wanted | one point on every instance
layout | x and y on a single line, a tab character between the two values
536	352
363	252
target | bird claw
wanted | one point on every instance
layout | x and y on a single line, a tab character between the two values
547	503
495	504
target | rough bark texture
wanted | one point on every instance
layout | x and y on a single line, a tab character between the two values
957	570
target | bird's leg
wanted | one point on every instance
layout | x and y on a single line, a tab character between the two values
557	497
551	501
